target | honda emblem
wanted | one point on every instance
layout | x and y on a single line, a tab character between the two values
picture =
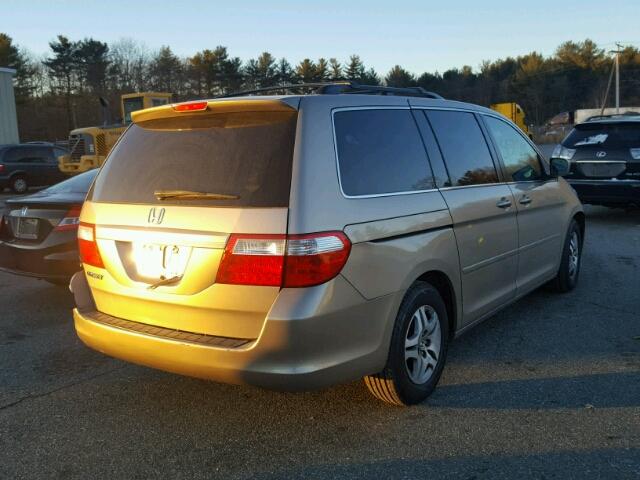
156	215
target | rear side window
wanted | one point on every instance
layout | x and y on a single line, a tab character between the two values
245	156
612	135
380	152
28	154
464	147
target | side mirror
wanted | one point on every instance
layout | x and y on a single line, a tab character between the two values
559	167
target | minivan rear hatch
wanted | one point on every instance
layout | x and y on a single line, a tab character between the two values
175	187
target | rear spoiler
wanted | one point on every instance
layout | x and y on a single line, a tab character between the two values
208	107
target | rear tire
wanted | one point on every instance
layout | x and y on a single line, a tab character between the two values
569	271
19	184
418	349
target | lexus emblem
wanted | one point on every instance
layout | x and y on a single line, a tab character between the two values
156	215
601	154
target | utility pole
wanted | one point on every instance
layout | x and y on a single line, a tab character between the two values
618	78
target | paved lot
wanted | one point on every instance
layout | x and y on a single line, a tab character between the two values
549	388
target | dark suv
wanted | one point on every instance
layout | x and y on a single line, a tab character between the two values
605	160
29	165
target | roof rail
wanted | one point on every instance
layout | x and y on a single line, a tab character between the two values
613	116
339	87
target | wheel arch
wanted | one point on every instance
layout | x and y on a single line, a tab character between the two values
580	218
442	283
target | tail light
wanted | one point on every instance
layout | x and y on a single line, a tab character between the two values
283	260
87	245
1	168
563	152
71	220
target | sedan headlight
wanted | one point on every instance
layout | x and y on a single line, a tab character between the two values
635	153
563	152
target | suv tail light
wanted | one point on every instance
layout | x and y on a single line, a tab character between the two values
87	245
563	152
71	220
1	168
283	260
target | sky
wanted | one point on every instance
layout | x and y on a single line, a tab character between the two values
421	36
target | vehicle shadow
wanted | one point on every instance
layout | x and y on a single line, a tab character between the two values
597	464
606	390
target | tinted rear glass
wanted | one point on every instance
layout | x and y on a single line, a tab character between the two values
464	147
612	135
78	184
380	151
243	154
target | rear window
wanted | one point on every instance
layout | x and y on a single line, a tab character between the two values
380	152
612	135
244	155
78	184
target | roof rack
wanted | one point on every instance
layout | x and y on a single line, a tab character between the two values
339	87
613	116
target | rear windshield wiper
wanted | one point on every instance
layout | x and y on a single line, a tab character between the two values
189	195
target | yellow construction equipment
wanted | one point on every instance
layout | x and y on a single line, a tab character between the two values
513	112
89	146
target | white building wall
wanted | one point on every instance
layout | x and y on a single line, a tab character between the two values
8	117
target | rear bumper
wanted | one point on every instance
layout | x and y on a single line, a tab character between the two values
56	263
607	192
305	342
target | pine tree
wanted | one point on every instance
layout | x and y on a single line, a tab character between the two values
306	71
399	77
62	69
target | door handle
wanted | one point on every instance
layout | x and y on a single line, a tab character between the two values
504	202
525	200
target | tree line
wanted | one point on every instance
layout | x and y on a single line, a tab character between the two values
60	90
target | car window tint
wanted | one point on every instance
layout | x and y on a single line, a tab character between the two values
28	154
520	159
246	155
604	135
379	152
464	147
13	155
77	184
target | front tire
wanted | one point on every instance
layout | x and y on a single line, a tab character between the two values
418	349
567	277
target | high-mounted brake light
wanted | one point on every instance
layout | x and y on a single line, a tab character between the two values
71	220
190	106
283	260
87	245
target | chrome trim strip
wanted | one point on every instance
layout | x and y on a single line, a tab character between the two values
599	161
162	236
489	261
528	246
444	189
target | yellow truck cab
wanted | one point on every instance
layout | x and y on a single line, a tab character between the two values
89	146
513	112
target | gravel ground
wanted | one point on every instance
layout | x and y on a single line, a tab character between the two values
549	388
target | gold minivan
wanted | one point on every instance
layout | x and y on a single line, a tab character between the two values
299	241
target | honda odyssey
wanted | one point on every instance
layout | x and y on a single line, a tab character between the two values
299	241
